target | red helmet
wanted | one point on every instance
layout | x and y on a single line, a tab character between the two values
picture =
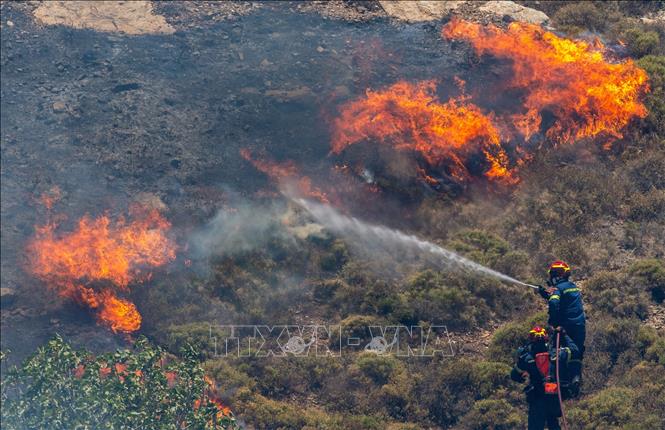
559	269
538	334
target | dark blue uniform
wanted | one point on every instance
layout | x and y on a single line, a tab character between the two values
566	310
570	366
543	408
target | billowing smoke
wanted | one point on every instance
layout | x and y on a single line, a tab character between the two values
239	228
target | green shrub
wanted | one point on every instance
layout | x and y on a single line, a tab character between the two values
61	388
651	274
496	414
580	16
324	290
222	369
655	100
648	206
200	335
357	326
487	377
641	42
615	294
656	352
480	246
613	336
615	408
379	368
647	170
335	258
610	408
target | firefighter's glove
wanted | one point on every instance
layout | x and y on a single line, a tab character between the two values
544	292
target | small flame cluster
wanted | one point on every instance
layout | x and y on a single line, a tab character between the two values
210	393
100	259
286	171
588	95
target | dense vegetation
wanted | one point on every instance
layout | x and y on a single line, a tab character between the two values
601	211
62	388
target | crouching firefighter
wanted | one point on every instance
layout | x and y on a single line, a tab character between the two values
537	362
565	307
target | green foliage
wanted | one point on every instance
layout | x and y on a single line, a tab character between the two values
481	246
325	290
647	171
488	376
614	336
561	203
495	414
648	206
577	16
378	368
655	100
61	388
614	408
455	387
199	335
656	352
335	258
641	42
615	294
651	274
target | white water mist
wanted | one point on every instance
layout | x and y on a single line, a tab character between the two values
394	239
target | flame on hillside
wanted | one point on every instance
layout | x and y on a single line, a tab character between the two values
286	171
588	95
100	259
454	137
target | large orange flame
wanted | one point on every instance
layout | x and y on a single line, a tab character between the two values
409	116
101	258
588	94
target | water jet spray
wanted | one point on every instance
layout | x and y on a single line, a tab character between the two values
350	226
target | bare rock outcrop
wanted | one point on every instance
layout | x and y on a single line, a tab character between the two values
7	296
515	11
129	17
415	11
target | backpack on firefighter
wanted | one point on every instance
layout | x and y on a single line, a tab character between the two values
537	360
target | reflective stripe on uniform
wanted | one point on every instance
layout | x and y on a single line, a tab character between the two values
571	290
554	296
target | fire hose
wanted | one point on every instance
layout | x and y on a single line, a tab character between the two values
558	382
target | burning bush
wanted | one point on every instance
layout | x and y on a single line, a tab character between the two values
588	95
454	137
101	258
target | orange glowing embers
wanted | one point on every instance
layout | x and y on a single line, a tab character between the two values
588	95
408	116
100	259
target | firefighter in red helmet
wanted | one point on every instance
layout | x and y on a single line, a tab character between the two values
536	360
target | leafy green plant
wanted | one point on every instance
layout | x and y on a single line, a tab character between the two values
655	100
641	42
650	273
62	388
